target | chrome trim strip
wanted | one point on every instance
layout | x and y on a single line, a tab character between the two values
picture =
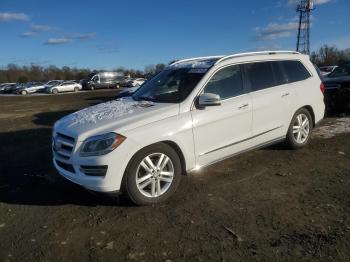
241	141
271	142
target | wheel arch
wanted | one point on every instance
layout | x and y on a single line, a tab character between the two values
178	150
311	111
170	143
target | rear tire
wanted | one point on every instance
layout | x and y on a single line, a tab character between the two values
55	91
300	128
92	88
76	89
23	92
152	175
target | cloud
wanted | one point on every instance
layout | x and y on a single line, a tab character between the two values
43	28
58	41
8	17
316	2
275	30
84	36
28	34
68	39
36	29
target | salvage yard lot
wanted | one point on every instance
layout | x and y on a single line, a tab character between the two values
269	204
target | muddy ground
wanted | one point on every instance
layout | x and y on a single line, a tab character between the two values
271	204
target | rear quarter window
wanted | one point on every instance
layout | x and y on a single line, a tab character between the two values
295	71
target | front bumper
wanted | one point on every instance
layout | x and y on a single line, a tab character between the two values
111	167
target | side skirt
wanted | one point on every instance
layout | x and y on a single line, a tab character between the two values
271	142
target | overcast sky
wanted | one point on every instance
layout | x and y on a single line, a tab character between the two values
133	34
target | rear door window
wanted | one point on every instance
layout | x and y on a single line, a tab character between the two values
259	75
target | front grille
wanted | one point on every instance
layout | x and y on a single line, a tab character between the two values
65	166
63	145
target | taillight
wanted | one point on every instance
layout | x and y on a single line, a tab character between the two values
322	88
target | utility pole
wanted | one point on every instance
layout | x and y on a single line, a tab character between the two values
303	41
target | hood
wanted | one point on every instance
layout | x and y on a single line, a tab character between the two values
114	116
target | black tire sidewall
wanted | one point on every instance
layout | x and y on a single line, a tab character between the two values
290	136
129	186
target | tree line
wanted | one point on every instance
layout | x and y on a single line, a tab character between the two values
330	55
13	73
326	55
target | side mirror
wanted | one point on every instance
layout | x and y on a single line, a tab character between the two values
208	99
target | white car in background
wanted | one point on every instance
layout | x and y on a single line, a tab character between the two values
64	86
194	113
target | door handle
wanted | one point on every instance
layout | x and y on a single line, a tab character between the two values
285	94
243	106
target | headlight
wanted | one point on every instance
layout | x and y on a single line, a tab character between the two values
101	145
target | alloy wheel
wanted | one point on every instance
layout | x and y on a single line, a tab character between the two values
301	128
154	175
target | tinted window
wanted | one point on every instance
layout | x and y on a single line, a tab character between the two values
226	83
260	75
281	76
295	70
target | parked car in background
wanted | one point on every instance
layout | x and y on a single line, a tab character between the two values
29	88
337	89
103	80
53	83
326	70
5	86
127	91
11	88
194	113
64	86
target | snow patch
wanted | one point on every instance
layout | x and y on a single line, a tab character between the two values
106	111
340	126
196	64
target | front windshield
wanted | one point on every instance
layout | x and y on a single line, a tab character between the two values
170	85
343	70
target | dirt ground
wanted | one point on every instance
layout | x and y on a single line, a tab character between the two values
271	204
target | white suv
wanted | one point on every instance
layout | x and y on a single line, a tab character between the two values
194	113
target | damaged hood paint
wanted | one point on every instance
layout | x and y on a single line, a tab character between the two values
114	116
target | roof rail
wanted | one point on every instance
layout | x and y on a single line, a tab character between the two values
197	58
255	53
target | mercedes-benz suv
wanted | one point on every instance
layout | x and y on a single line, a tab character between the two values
194	113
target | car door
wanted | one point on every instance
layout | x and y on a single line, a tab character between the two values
271	98
220	131
66	86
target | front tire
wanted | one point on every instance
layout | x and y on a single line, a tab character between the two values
300	128
23	92
153	175
76	89
55	91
